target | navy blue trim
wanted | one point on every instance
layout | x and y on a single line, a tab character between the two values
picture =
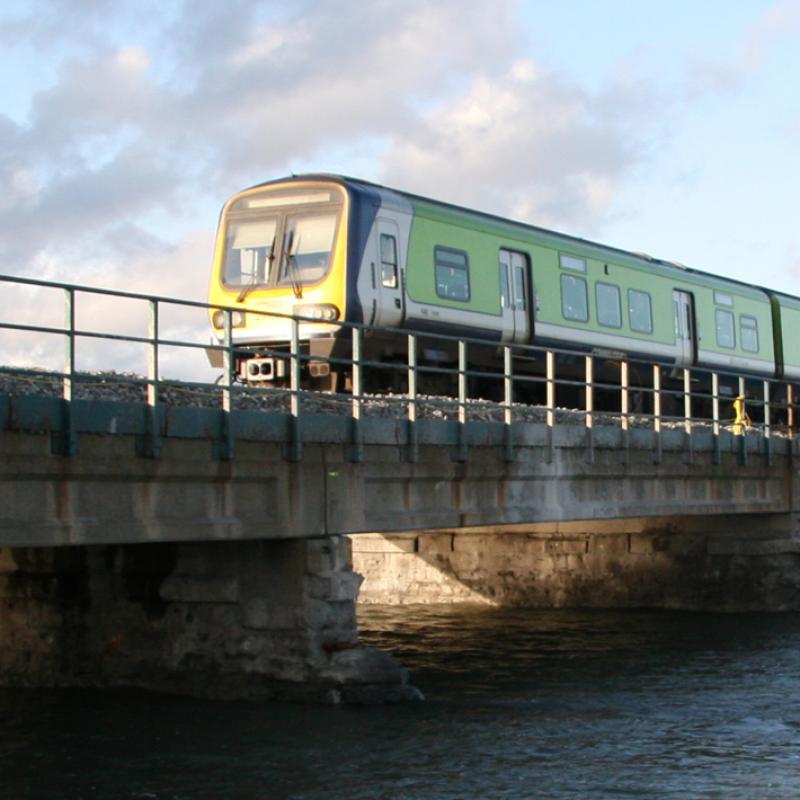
364	206
573	347
454	329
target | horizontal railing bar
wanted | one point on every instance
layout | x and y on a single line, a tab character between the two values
116	293
34	329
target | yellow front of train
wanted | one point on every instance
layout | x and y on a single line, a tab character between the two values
281	251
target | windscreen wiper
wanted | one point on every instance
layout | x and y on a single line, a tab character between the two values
254	280
291	265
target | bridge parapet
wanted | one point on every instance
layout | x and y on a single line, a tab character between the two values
109	491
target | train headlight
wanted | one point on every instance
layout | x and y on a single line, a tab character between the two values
238	319
324	312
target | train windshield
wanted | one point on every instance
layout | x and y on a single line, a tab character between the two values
250	252
309	240
280	238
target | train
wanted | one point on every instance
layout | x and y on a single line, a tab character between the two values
335	249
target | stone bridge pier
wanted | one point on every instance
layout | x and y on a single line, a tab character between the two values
249	619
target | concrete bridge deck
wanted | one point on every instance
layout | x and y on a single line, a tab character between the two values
111	492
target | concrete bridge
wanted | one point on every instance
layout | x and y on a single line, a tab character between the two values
217	546
192	572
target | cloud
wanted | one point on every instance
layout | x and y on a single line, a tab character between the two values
55	27
527	143
70	211
212	97
298	82
707	76
102	96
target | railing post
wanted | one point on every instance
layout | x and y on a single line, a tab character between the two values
790	417
657	411
461	455
687	412
715	416
767	432
590	409
153	446
508	399
357	439
413	447
69	438
625	408
551	402
743	436
295	430
228	360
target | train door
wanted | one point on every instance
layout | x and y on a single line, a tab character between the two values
515	295
388	276
684	327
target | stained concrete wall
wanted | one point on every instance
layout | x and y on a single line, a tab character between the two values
110	494
698	563
232	619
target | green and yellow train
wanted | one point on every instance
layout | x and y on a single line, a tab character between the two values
338	249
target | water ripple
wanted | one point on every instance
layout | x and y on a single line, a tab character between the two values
521	704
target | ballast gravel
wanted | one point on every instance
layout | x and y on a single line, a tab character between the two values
128	387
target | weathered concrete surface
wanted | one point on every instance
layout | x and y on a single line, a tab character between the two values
110	494
233	619
189	573
721	563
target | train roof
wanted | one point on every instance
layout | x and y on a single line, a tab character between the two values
640	258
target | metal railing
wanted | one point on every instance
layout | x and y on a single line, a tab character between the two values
516	382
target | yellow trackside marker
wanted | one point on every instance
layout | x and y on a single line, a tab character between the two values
741	422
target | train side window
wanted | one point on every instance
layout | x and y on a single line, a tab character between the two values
519	286
609	305
452	274
748	331
640	311
722	299
726	335
505	289
388	261
572	262
574	298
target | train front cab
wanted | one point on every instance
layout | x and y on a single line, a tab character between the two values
281	250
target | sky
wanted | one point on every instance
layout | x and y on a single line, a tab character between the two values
667	127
